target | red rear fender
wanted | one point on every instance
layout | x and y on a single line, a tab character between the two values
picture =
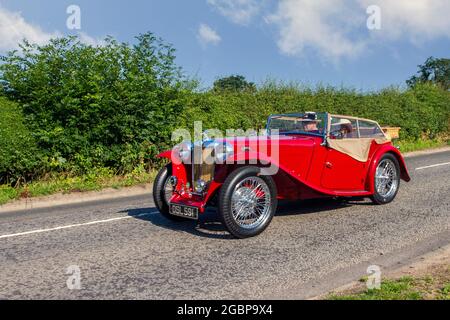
387	148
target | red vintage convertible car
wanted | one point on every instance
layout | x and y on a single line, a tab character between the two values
312	155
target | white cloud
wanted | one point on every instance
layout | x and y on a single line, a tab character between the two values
320	25
337	29
415	20
14	28
238	11
206	35
87	39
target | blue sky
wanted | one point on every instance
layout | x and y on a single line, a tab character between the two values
309	41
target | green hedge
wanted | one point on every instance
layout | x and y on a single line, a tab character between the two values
19	155
108	106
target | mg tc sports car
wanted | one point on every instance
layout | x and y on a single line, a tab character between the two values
301	156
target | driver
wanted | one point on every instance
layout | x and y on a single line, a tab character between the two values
310	123
311	126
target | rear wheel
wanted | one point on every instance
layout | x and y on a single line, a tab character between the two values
163	191
386	179
247	202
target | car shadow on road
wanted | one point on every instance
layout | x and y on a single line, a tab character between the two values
286	208
210	226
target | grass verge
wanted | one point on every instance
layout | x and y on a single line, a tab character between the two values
409	146
67	183
432	286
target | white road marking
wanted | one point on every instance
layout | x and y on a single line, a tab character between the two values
71	226
433	165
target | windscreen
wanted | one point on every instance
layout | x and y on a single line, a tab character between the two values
313	123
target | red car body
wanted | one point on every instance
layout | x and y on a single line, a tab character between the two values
308	169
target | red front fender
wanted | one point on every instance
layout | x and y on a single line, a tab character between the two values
166	154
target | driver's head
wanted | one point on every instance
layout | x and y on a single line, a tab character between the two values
310	125
310	122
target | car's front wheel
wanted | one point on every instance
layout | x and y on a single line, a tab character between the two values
163	191
247	202
386	180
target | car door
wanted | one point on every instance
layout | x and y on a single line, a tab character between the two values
342	171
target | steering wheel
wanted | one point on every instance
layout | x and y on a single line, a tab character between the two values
337	134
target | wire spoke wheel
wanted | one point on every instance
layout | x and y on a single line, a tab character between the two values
386	179
167	190
251	203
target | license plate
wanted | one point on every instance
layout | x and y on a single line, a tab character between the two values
184	211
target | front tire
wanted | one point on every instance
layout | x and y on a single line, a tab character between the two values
247	202
162	192
386	180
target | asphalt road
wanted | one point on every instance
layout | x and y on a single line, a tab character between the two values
125	250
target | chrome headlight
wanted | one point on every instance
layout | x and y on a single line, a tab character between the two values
184	151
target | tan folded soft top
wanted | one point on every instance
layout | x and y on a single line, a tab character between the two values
356	148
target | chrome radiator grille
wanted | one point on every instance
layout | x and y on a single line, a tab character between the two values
202	168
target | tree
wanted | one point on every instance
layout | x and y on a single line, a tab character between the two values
434	70
233	83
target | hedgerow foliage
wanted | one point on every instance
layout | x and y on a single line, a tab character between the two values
19	155
115	106
112	105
